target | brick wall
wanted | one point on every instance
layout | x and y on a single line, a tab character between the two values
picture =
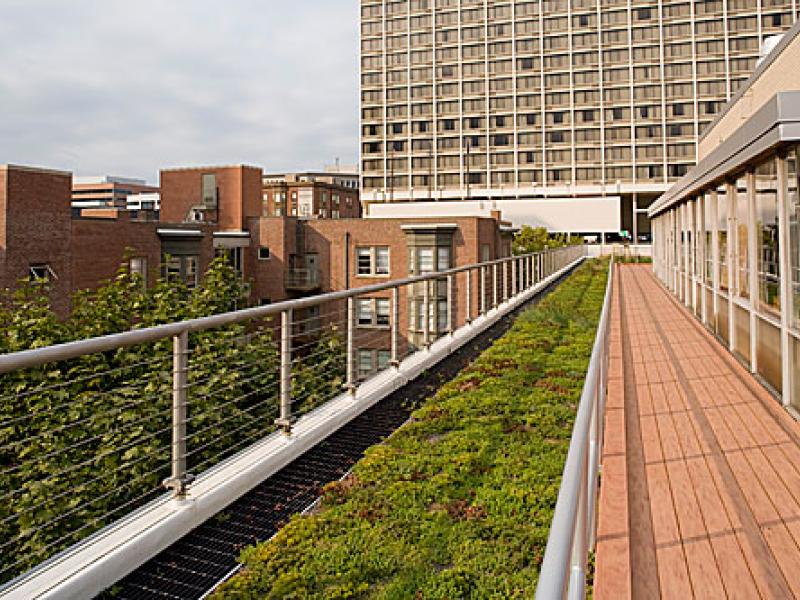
239	195
36	211
119	238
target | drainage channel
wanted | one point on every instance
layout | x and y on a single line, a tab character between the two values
196	564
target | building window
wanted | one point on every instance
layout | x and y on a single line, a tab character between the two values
616	113
138	268
373	312
526	63
501	140
398	146
678	110
41	272
643	14
182	268
425	260
677	170
583	20
372	260
371	361
365	365
500	121
558	118
263	253
474	123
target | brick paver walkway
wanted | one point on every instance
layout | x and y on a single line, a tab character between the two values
700	493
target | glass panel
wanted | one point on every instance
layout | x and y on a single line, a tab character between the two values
425	257
444	258
793	200
709	224
769	288
722	225
384	357
364	258
769	353
365	312
710	308
741	320
364	362
742	218
443	322
382	261
722	319
382	312
795	370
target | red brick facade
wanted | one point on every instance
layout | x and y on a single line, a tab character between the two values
35	228
282	257
238	196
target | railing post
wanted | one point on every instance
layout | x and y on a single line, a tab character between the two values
469	296
426	309
505	294
494	285
450	305
395	327
514	276
483	290
285	420
350	385
179	480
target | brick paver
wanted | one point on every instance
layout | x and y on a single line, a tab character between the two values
700	492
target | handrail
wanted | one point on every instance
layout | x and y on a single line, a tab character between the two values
563	570
98	561
27	359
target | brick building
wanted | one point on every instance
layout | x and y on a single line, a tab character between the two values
221	210
35	228
328	195
42	237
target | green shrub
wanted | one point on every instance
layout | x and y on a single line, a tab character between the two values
457	503
86	441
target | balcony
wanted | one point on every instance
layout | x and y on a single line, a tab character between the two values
302	280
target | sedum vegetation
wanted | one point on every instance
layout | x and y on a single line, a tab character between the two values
457	503
84	442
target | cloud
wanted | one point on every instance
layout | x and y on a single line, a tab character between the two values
126	88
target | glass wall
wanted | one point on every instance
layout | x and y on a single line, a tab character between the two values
740	221
722	240
793	200
769	289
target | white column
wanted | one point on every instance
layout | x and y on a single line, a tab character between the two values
730	198
786	281
752	267
714	198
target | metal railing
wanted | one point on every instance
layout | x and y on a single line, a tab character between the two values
102	425
572	532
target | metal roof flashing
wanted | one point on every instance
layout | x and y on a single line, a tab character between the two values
778	121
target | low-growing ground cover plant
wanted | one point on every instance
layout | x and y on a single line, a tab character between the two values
457	503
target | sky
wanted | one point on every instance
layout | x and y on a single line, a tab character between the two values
127	87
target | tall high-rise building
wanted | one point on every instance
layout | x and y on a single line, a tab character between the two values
554	99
